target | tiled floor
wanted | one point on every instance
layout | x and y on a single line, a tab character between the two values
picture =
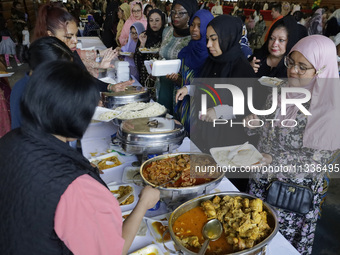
327	238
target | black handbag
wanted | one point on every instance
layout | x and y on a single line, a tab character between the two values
291	197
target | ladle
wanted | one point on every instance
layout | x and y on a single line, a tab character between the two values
212	230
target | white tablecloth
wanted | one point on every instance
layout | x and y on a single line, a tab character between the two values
97	141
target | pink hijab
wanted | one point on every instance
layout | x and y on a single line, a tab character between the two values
124	36
323	126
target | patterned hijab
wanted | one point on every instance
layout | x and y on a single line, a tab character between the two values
314	25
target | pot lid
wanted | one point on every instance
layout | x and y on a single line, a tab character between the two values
153	125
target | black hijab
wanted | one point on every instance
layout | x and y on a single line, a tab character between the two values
191	7
154	37
229	32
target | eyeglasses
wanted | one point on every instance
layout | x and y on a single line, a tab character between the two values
179	14
300	69
134	33
136	11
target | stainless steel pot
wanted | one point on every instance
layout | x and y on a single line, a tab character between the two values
138	136
130	95
173	195
260	247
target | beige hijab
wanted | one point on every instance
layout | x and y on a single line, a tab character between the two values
126	9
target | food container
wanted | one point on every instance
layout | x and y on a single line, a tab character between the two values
174	195
150	135
157	226
271	218
110	165
151	249
126	206
162	67
130	95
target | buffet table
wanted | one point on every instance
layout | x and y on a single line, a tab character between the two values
97	140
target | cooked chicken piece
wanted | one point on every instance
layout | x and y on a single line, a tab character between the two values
220	214
245	202
256	205
209	209
246	226
191	241
241	245
249	243
256	217
238	213
252	234
216	200
226	198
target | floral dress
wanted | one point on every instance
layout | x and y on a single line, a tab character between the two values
144	77
285	145
170	48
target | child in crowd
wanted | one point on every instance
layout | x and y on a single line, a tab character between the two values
26	37
7	46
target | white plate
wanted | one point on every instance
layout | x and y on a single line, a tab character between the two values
146	50
105	114
142	227
108	80
116	187
6	74
220	156
150	249
96	159
270	81
131	175
127	54
162	67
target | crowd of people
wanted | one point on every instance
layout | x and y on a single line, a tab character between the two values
55	197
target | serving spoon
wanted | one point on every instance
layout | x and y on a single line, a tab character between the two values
212	230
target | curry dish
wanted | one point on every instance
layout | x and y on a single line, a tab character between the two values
244	223
179	171
122	191
107	163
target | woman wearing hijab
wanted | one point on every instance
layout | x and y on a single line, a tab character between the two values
195	54
151	38
123	15
175	38
315	25
136	8
269	60
135	30
226	60
312	65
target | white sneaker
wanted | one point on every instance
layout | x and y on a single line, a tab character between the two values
9	67
19	64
